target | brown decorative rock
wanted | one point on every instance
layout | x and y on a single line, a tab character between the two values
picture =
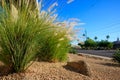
81	67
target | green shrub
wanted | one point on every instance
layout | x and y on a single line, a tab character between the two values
105	44
72	50
116	56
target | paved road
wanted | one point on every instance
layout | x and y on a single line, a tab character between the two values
105	53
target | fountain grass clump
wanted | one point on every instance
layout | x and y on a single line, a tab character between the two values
27	33
54	46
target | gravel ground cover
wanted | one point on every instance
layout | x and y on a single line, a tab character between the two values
101	70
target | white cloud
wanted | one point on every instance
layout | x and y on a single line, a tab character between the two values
81	24
74	19
69	1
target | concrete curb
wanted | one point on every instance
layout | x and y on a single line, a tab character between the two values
95	56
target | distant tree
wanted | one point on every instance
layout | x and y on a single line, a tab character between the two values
88	38
90	44
110	45
107	37
95	38
103	44
84	35
81	45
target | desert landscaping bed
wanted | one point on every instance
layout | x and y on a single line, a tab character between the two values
100	69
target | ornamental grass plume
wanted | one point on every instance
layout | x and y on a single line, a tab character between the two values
20	33
55	44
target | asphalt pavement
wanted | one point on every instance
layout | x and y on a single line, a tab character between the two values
104	53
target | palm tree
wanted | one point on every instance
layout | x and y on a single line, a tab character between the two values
107	37
95	38
84	35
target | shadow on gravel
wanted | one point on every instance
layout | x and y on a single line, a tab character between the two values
70	68
111	64
3	70
6	73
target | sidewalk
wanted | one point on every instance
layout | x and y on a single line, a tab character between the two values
95	56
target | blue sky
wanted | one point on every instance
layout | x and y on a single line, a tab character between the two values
101	17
